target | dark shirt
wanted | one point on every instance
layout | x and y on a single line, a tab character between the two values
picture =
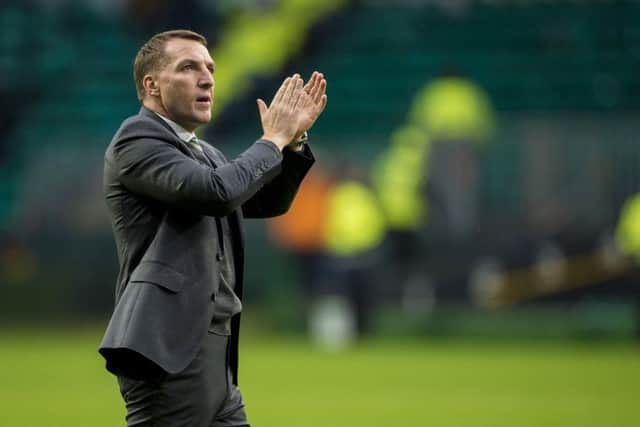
226	302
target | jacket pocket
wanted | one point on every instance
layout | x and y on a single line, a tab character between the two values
158	274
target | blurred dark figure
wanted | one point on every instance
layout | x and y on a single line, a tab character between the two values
400	181
356	227
458	118
301	232
628	241
334	230
426	181
17	261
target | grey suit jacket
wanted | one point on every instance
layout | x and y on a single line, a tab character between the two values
161	202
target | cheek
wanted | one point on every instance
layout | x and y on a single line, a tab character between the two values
168	93
173	96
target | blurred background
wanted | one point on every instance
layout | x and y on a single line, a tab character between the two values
464	252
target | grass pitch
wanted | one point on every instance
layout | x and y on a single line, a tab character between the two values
56	379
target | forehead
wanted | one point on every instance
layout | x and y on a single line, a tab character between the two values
179	49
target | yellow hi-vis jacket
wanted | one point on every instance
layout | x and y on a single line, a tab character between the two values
355	223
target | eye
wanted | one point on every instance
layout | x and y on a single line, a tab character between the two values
188	67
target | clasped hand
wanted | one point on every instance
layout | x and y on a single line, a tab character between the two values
294	109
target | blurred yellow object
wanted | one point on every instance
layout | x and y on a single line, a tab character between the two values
628	229
355	223
261	43
399	178
454	108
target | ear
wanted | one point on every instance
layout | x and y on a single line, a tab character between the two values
150	85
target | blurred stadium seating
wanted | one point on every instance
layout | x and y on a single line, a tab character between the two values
530	232
560	76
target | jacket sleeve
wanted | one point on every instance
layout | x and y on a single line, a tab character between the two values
157	169
276	197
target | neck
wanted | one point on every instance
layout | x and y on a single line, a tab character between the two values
157	107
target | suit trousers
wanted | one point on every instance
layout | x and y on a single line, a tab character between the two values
202	395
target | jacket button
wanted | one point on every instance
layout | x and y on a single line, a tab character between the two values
219	257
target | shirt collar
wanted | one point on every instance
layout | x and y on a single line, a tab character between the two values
182	133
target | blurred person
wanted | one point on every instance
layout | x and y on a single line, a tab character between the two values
301	232
355	229
400	177
176	205
627	237
457	116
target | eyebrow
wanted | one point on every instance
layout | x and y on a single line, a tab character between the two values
209	64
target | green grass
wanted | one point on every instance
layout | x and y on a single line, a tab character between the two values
56	379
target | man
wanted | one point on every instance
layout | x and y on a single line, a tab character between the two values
176	205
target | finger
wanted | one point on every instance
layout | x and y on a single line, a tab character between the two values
286	95
312	83
299	89
281	91
262	108
309	84
305	102
296	88
316	87
322	90
323	103
298	99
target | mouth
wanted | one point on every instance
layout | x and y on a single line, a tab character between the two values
204	100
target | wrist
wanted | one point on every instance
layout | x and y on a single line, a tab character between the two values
300	141
302	138
296	147
277	140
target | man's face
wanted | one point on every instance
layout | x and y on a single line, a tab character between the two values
186	83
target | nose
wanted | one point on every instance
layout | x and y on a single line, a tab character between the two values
206	81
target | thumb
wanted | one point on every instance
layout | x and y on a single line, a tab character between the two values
262	107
